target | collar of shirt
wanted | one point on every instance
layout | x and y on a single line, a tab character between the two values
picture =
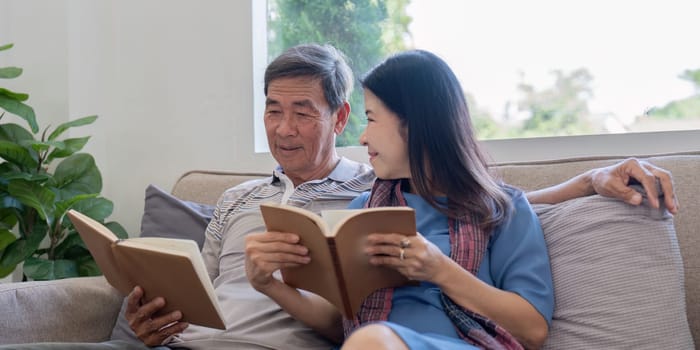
345	170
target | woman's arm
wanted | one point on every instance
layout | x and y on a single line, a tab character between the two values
507	309
517	264
613	181
423	261
520	294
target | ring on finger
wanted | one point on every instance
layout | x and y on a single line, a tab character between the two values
402	254
405	243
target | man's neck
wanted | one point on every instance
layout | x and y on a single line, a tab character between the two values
320	174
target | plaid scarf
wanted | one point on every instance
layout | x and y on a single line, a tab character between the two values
467	246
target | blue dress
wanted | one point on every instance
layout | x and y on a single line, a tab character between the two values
516	260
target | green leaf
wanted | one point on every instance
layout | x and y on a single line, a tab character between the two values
39	146
9	202
36	196
76	175
96	208
8	216
71	247
88	267
14	132
69	147
61	207
4	271
6	238
77	122
40	269
117	229
72	168
15	174
10	72
19	109
18	155
21	249
18	96
6	47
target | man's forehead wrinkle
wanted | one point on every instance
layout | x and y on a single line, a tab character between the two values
304	103
302	93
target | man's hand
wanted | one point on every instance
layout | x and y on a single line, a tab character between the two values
268	252
613	181
152	330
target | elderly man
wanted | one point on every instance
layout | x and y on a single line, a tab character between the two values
307	89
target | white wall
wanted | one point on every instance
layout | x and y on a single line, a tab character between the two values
172	84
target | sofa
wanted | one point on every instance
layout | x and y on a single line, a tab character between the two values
85	309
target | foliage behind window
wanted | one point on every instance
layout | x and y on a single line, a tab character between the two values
365	30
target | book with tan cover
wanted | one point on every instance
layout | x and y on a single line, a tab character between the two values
339	270
167	267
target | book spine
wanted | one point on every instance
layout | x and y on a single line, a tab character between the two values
341	278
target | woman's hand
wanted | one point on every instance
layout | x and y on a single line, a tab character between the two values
268	252
413	256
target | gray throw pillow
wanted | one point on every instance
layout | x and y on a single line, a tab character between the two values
164	215
618	276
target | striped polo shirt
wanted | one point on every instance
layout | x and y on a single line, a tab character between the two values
253	320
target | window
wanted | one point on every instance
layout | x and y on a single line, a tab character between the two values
548	68
538	68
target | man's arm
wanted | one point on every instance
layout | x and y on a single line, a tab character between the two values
267	252
613	181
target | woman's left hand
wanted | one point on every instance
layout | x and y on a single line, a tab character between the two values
413	256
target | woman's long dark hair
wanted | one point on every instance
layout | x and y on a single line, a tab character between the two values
425	94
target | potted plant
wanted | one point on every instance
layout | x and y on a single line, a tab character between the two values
42	176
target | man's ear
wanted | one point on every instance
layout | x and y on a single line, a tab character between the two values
343	116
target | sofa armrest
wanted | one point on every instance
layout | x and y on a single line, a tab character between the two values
81	309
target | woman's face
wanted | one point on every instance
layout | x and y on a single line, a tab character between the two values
385	139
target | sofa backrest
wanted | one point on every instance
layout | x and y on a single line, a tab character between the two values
206	187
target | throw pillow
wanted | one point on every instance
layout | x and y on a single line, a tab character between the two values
164	215
618	276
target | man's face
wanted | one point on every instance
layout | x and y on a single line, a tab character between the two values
301	128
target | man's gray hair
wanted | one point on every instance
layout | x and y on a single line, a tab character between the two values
323	62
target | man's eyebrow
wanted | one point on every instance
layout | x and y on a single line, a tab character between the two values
302	103
307	104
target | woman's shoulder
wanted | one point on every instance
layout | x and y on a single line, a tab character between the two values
517	195
359	201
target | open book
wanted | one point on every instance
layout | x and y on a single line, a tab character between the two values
167	267
339	269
